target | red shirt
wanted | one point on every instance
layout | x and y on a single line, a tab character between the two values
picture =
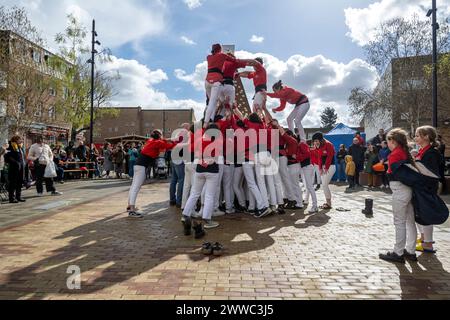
286	95
361	140
422	152
291	145
396	156
303	152
230	67
153	147
259	76
216	61
326	155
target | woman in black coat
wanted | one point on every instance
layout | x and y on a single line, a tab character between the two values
431	158
15	159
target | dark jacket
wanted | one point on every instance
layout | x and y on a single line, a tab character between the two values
433	160
341	155
377	141
357	152
429	208
15	159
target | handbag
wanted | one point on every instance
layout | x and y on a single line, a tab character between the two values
50	170
42	159
379	167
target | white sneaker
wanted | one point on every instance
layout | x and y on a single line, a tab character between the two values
211	224
232	211
40	194
313	210
218	213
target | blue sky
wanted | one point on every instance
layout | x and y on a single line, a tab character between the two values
159	46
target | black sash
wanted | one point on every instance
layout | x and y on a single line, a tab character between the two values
261	88
215	70
303	99
228	81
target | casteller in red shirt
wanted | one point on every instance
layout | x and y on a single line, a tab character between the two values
259	76
215	66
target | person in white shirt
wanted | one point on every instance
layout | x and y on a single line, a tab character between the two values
41	154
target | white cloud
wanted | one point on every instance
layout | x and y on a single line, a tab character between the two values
324	81
114	27
363	22
192	4
136	87
188	41
256	39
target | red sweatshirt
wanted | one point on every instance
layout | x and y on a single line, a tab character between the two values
291	148
287	95
303	154
259	76
396	156
216	61
230	67
326	155
154	147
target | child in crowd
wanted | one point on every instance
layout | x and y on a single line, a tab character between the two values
350	169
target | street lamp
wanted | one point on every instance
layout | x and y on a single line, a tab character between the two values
92	62
433	13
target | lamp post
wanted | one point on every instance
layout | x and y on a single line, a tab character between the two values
433	14
92	62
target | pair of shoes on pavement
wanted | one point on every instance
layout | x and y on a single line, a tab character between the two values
198	227
215	249
395	258
262	213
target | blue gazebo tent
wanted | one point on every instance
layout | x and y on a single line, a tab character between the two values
342	134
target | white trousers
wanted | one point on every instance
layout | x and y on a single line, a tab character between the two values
279	189
294	173
308	173
326	180
207	181
317	174
227	184
189	174
261	182
427	232
138	180
404	221
239	191
228	95
250	177
285	178
213	91
297	116
259	101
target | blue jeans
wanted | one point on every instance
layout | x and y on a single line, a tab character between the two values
131	165
176	194
341	171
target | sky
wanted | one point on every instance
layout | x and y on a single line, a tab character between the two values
159	47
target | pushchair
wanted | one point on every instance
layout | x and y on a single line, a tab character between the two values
161	169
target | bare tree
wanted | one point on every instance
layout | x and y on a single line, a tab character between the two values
403	90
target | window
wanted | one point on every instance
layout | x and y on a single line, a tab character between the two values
22	105
51	112
35	55
38	112
3	79
2	108
52	92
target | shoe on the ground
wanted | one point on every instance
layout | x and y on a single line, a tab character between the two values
196	215
217	249
21	200
410	256
61	182
57	193
199	232
305	203
392	257
231	211
218	213
251	212
134	214
173	203
13	201
318	187
281	211
40	194
262	213
187	225
313	210
207	249
210	224
290	205
297	208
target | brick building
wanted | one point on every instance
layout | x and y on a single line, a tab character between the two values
410	94
27	100
140	122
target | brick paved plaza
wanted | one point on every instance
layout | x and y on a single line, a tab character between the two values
330	255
